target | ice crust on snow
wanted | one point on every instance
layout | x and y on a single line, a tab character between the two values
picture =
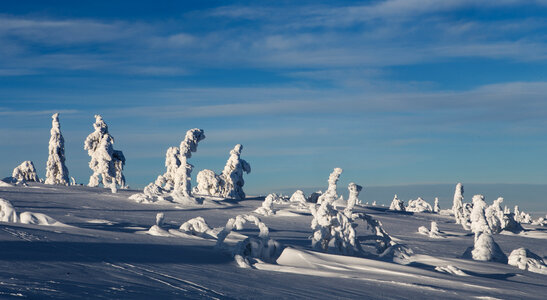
56	170
106	163
25	172
229	184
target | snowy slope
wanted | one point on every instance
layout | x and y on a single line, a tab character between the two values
103	254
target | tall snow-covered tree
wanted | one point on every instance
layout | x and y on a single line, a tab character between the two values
105	161
232	175
183	184
457	207
56	170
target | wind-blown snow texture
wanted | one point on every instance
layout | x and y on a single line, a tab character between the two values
100	255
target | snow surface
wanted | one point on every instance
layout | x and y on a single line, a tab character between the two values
100	255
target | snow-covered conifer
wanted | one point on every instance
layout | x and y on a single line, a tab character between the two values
233	174
25	172
457	206
525	259
104	162
298	200
436	207
397	204
419	205
183	184
330	195
485	249
478	216
267	206
56	171
353	198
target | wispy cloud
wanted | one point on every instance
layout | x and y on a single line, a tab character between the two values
29	113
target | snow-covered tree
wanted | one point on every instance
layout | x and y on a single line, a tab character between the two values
433	232
478	216
233	174
397	204
104	163
267	206
331	195
333	231
457	206
353	198
25	172
298	200
419	205
525	259
56	171
175	183
436	207
485	249
229	183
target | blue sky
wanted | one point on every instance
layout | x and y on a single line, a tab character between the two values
394	92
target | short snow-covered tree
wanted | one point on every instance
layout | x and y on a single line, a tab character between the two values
104	162
397	204
353	198
525	259
298	200
25	172
419	205
229	183
56	170
175	183
485	249
436	207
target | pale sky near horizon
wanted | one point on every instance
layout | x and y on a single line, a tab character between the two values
394	92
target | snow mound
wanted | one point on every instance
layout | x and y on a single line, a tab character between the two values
485	249
38	219
419	205
198	227
4	184
525	259
450	269
7	212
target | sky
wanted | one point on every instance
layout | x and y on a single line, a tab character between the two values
394	92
